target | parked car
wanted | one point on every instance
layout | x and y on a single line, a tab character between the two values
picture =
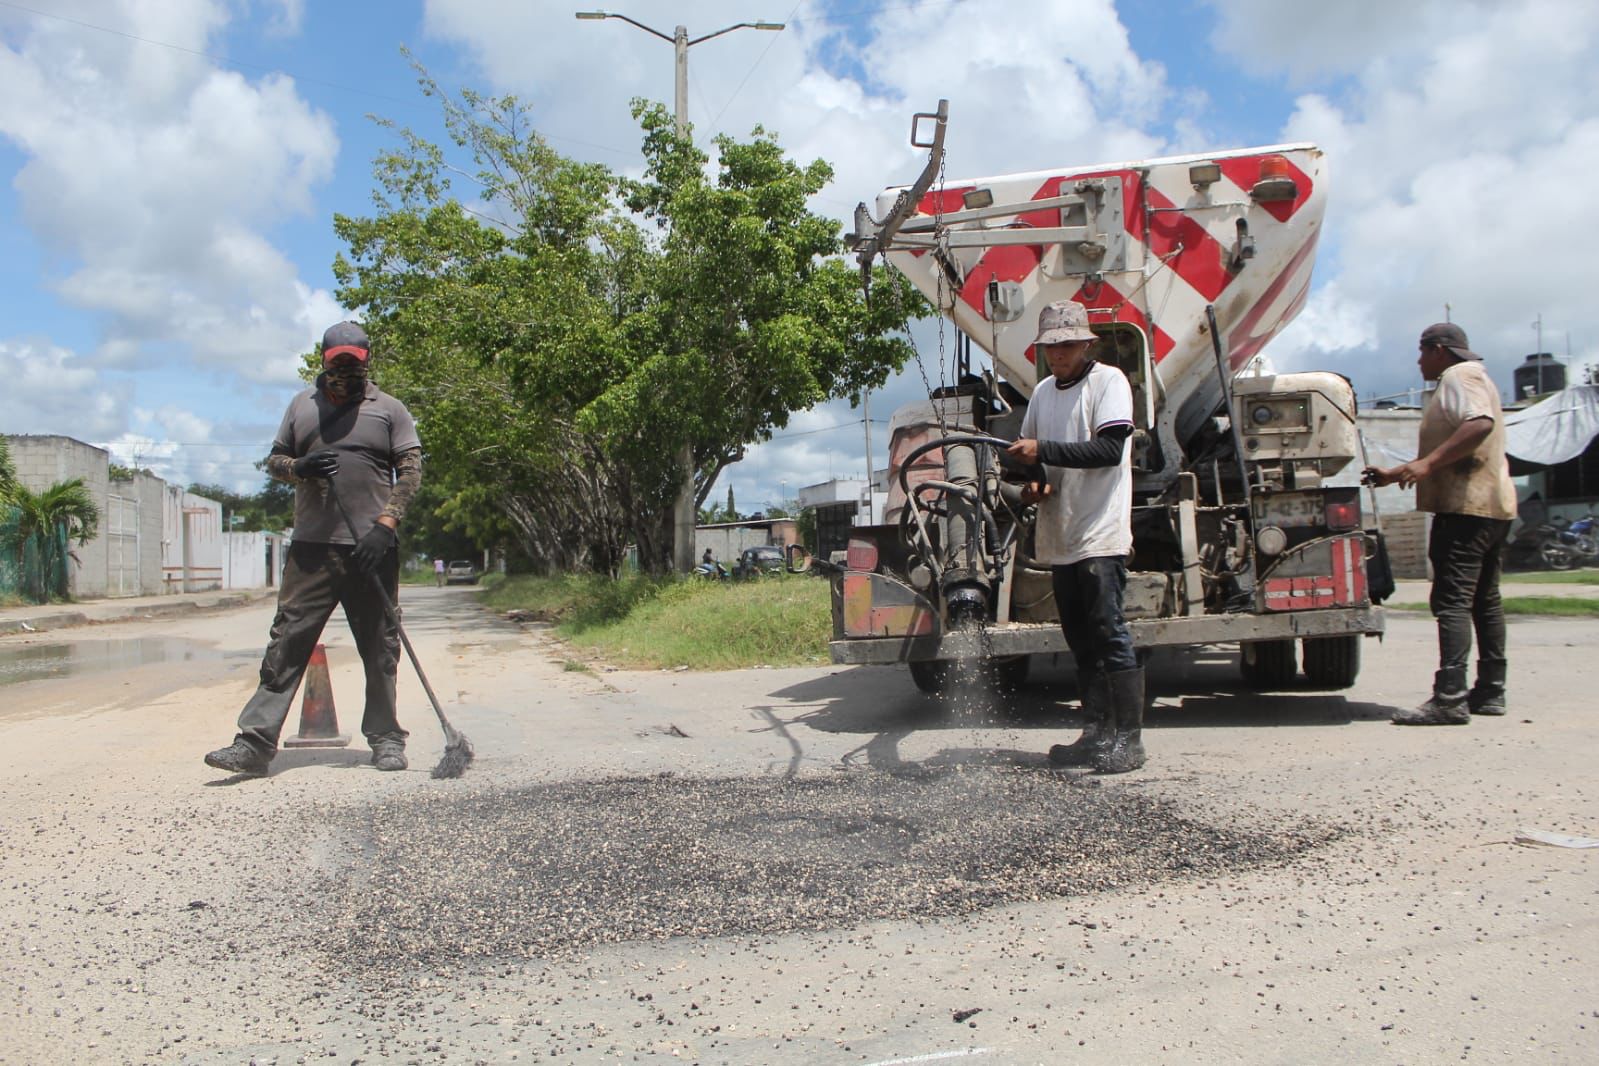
461	572
762	559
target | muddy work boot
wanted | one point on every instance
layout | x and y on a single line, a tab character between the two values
388	753
1126	750
1487	696
1447	706
241	757
1096	728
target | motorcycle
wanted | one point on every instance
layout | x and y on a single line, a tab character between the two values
1538	546
1580	539
712	571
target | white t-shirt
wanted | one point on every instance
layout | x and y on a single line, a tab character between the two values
1091	511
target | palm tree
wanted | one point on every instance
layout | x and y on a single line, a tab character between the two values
8	472
65	507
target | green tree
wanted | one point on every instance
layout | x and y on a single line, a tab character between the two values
560	342
64	508
8	472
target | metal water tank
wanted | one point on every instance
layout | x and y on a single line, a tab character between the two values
1541	373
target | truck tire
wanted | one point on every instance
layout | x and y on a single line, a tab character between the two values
930	675
1268	663
937	676
1332	662
1008	675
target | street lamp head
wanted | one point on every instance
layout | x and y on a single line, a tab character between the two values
768	25
592	15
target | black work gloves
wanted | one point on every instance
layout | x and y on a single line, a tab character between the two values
370	549
324	463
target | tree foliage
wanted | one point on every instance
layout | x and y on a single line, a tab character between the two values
42	517
563	334
271	508
8	472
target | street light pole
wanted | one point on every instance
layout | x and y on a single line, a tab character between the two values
683	511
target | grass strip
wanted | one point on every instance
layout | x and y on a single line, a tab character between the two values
651	623
1554	577
1565	606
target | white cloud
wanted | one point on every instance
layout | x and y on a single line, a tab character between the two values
1456	164
1066	88
151	175
286	17
49	389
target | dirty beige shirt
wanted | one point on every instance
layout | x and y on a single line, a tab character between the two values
1480	483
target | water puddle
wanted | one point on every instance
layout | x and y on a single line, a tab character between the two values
41	662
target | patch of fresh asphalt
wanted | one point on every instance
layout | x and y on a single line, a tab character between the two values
437	882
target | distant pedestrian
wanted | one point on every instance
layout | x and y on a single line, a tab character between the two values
1462	477
1077	426
438	572
346	431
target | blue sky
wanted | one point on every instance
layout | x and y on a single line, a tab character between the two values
172	167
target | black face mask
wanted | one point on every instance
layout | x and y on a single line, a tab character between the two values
344	383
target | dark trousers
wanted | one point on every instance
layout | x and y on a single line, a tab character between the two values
1467	555
1088	595
317	578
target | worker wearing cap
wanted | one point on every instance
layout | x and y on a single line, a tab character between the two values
1461	476
345	433
1077	425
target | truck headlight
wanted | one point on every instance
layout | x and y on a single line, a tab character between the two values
1271	540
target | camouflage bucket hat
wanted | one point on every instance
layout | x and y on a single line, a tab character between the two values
1063	321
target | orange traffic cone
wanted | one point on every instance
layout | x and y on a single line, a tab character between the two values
319	723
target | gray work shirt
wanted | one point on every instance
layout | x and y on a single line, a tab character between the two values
368	436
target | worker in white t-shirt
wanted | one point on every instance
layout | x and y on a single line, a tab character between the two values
1077	425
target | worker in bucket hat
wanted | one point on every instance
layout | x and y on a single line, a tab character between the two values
1078	425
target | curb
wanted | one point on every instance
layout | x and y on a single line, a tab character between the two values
112	613
43	622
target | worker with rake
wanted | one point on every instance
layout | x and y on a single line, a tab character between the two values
352	453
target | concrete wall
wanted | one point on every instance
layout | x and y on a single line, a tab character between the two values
1390	435
191	542
727	539
147	490
43	461
251	560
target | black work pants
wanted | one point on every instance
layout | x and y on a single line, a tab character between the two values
317	578
1467	555
1088	595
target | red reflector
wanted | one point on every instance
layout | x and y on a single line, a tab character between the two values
1343	514
862	555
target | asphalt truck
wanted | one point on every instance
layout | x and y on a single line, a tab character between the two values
1188	266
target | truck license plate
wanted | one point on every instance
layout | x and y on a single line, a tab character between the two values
1292	509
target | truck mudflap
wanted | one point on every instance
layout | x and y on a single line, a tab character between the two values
1035	638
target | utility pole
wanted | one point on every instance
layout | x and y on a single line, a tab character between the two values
683	511
866	421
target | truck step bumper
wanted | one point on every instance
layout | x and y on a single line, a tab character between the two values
1021	638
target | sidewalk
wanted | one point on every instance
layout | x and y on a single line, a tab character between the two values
88	612
1418	591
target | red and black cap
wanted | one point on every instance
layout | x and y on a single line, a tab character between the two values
346	338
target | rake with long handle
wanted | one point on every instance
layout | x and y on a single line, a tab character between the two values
458	751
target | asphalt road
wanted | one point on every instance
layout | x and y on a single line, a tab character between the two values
786	866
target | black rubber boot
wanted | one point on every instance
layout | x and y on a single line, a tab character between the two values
1127	710
241	757
1447	706
1096	728
1487	696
